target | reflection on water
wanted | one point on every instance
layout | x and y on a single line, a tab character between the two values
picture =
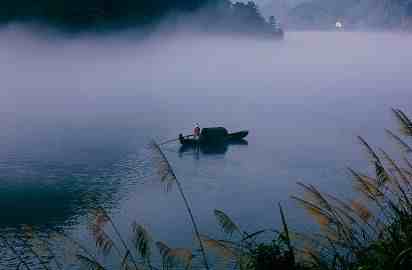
76	126
209	149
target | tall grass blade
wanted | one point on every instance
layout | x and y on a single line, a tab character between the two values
397	263
404	146
399	171
126	264
89	264
369	150
170	171
408	163
253	235
287	235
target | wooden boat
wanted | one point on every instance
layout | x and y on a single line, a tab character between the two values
213	136
237	135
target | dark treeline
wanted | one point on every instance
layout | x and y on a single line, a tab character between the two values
103	14
93	12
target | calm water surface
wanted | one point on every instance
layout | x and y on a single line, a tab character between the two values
76	117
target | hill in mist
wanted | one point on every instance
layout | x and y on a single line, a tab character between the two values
354	13
205	15
278	8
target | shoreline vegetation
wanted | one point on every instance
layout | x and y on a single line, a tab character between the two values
371	232
146	16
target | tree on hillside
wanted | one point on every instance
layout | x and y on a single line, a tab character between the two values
210	15
88	12
248	13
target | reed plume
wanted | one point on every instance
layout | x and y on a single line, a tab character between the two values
361	211
222	248
103	240
142	241
405	124
226	223
351	229
172	257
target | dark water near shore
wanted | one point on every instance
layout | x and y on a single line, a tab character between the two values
76	117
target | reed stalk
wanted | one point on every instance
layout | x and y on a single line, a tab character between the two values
186	202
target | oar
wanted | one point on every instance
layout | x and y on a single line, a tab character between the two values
174	140
168	141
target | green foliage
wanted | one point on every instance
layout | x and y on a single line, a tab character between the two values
279	254
275	255
248	253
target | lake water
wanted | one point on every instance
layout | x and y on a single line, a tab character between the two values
76	116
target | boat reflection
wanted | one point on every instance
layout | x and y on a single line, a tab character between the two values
210	149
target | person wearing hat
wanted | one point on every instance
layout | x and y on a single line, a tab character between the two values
196	131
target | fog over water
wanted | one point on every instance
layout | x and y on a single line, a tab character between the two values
76	115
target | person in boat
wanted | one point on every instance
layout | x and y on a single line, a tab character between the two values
196	131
